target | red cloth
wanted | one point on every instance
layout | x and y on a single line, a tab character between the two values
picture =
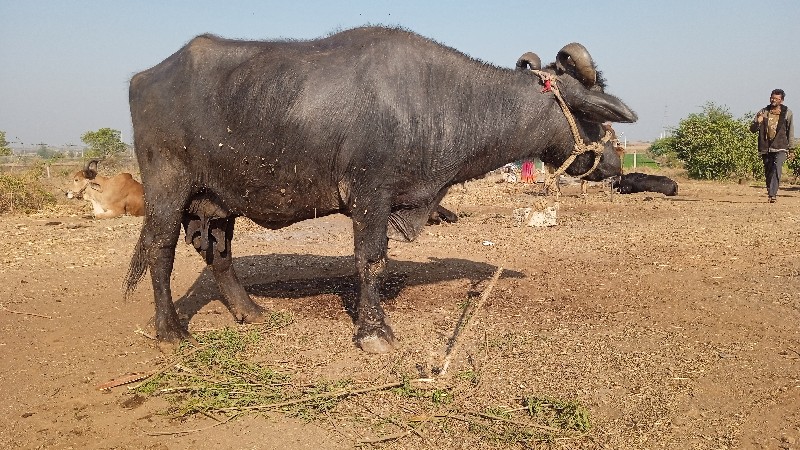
527	174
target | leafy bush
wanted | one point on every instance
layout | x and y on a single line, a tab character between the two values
664	153
794	164
662	146
24	192
714	146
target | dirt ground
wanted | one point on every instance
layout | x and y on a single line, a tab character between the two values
674	320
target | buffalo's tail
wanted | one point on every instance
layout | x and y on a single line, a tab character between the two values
138	265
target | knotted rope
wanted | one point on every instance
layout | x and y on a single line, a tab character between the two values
89	183
549	81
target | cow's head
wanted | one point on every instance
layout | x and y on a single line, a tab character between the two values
84	179
581	87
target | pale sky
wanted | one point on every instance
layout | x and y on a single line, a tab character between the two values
65	65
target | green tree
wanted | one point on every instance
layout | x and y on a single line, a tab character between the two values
5	150
714	146
103	142
46	152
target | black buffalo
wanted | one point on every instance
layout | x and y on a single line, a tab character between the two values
634	182
373	123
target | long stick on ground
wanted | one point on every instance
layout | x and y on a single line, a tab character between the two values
469	321
3	307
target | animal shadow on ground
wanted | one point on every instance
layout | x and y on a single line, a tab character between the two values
295	276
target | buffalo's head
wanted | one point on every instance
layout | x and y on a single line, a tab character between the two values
83	179
582	88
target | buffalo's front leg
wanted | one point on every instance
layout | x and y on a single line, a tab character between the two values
239	303
369	232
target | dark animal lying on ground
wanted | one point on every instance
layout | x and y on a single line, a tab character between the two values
634	182
373	123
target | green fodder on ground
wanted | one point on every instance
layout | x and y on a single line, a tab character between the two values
223	376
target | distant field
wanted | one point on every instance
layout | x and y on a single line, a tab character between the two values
642	160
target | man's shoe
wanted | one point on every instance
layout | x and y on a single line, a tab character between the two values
772	199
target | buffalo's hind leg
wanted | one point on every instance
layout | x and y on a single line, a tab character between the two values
158	239
373	335
209	228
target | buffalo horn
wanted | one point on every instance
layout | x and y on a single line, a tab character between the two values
91	163
574	58
90	169
530	61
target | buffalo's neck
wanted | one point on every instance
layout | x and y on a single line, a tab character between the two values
512	131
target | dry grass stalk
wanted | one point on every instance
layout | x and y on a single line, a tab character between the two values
514	422
409	429
172	363
378	440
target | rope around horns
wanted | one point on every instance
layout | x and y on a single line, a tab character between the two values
549	81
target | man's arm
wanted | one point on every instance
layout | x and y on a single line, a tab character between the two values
756	123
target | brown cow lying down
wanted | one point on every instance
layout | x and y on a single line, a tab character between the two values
110	196
631	183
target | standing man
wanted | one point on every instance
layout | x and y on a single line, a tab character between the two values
775	130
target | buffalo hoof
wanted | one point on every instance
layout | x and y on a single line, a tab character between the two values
170	341
251	314
379	341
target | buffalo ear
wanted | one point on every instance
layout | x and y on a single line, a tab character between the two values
599	107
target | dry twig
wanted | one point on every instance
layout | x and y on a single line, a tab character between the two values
386	438
139	330
409	429
310	398
125	379
194	430
469	320
513	422
3	307
452	415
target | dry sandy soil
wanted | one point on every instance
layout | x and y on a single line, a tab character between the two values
674	320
